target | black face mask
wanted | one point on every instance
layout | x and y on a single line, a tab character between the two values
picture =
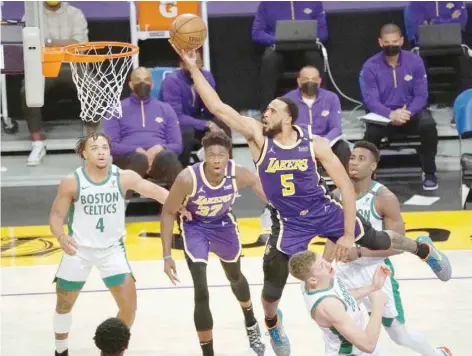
391	51
310	88
142	89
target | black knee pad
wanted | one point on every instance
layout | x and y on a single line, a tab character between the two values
275	268
376	240
238	282
202	315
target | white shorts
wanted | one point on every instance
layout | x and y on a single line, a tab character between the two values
357	275
74	270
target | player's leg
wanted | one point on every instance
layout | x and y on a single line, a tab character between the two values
117	275
240	288
70	278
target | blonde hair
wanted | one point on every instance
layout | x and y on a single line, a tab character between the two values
300	264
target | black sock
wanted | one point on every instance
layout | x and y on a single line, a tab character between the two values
271	322
249	316
422	250
207	348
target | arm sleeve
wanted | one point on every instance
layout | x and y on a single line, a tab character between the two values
420	89
370	92
335	119
173	133
259	27
112	129
171	95
320	16
79	26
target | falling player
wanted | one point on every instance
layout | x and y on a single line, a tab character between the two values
381	208
347	329
208	190
93	200
285	157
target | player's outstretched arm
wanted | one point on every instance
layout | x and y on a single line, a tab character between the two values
378	282
60	207
331	313
246	126
246	178
181	188
338	174
130	180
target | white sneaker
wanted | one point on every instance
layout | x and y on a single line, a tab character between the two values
37	154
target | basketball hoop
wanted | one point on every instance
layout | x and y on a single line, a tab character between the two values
99	70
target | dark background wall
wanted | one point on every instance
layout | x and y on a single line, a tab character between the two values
235	59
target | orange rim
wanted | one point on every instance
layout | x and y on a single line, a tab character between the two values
54	56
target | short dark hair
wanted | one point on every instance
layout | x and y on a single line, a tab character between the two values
292	107
82	142
216	138
390	28
307	66
112	337
369	146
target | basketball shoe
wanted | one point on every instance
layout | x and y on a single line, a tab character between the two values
254	336
278	339
444	351
436	260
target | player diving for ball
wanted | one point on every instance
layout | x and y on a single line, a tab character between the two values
93	199
208	190
381	208
286	156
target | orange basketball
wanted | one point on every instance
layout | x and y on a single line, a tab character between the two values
188	31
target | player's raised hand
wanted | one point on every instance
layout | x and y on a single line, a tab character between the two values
380	277
171	271
68	245
378	299
188	56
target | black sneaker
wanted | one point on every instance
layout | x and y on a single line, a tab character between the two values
63	353
255	342
430	182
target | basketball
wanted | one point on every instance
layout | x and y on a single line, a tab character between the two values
188	32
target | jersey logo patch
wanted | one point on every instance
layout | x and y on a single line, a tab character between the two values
226	187
303	149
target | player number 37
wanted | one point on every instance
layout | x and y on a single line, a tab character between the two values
288	188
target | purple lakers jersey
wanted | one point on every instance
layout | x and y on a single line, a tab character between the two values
289	176
207	203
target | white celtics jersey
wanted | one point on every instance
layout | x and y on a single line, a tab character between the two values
365	206
335	343
97	216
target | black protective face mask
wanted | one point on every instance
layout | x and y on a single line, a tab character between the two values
310	88
142	89
391	51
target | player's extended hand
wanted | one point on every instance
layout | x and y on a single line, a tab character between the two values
68	245
380	277
378	299
171	271
189	57
185	214
342	248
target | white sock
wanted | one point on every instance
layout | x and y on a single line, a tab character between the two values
411	339
61	345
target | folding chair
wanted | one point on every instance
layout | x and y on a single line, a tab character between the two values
463	119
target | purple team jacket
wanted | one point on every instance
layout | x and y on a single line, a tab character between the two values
177	91
268	12
324	116
145	123
385	88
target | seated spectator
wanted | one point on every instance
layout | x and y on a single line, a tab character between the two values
321	109
63	25
394	85
177	90
263	34
433	13
147	138
112	337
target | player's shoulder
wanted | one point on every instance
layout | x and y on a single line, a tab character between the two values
384	193
328	309
186	176
69	183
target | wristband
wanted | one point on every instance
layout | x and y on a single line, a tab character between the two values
359	254
167	257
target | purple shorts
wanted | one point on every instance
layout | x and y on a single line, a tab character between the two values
292	235
220	237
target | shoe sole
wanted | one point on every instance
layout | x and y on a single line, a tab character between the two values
431	188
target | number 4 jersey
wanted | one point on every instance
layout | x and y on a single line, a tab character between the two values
97	215
210	204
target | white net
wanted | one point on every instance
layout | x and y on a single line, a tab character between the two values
100	83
